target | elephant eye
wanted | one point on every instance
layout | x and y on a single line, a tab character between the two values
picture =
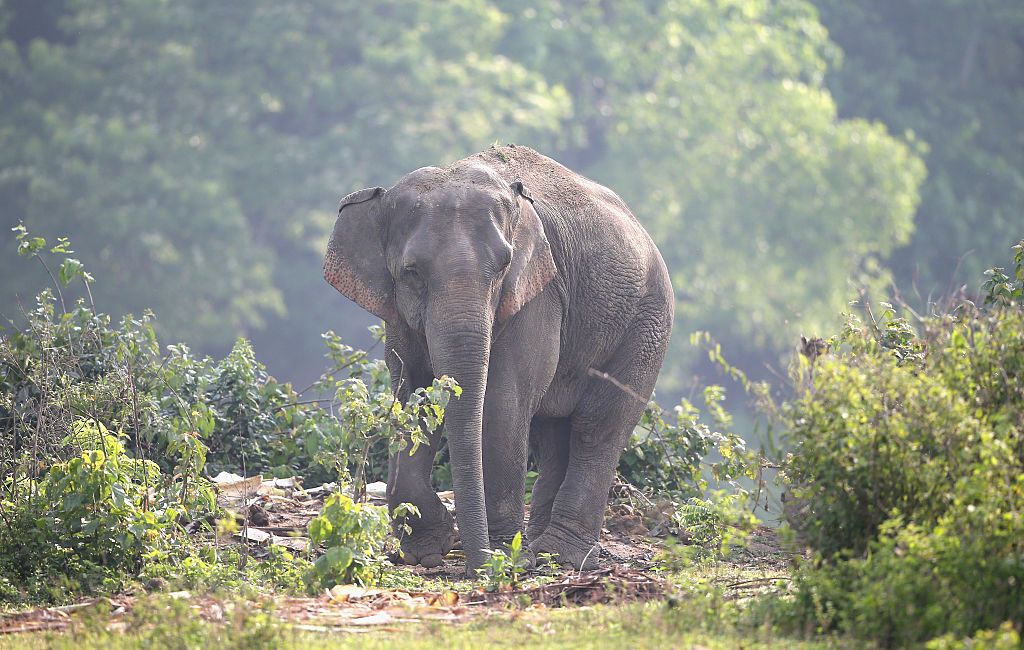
410	274
505	261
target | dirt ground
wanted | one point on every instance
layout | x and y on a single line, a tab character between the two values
279	510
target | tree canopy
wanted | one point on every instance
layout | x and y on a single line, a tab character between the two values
951	72
194	152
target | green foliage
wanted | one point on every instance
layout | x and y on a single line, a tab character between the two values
248	419
716	523
87	523
908	478
699	518
874	437
363	423
353	535
919	582
501	570
252	422
281	570
667	456
80	512
1006	637
949	71
710	528
181	563
1001	289
201	148
174	407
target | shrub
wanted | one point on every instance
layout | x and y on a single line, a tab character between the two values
180	563
84	407
353	535
250	422
86	523
916	583
666	455
875	438
1003	638
907	469
80	506
105	439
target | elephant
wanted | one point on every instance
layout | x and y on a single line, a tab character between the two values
541	294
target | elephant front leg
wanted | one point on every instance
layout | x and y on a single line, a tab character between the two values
505	450
516	384
433	532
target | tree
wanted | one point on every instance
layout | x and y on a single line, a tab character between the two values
195	151
713	122
951	72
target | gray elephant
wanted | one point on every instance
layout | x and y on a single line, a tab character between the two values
542	295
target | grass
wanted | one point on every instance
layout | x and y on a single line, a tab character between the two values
709	610
652	625
170	624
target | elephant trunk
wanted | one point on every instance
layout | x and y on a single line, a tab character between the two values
459	347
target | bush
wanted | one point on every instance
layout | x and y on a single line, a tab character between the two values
105	440
68	361
907	471
353	535
667	454
182	564
86	523
250	422
1004	638
80	503
874	437
916	583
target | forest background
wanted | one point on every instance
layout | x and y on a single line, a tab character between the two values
786	155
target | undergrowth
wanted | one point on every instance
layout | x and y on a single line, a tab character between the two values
107	439
907	472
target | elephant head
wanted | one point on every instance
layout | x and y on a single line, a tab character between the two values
452	253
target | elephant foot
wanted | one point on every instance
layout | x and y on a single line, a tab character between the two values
566	551
428	543
426	548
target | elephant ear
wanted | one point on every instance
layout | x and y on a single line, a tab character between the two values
355	263
532	266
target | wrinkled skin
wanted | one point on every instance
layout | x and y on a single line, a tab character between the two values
526	283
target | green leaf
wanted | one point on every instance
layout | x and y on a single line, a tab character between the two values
339	558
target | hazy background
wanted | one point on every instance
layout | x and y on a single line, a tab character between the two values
783	153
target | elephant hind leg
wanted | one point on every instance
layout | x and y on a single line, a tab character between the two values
598	433
549	440
613	401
